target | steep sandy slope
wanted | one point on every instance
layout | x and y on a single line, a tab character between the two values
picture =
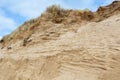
73	45
92	52
56	21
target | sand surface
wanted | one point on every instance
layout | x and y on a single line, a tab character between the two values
90	53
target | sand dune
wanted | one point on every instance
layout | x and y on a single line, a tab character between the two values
88	51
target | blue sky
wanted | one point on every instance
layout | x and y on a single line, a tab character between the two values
15	12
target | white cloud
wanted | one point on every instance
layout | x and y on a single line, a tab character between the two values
6	24
0	37
29	8
93	4
108	1
87	4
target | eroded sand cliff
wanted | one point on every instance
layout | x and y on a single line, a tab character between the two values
85	50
